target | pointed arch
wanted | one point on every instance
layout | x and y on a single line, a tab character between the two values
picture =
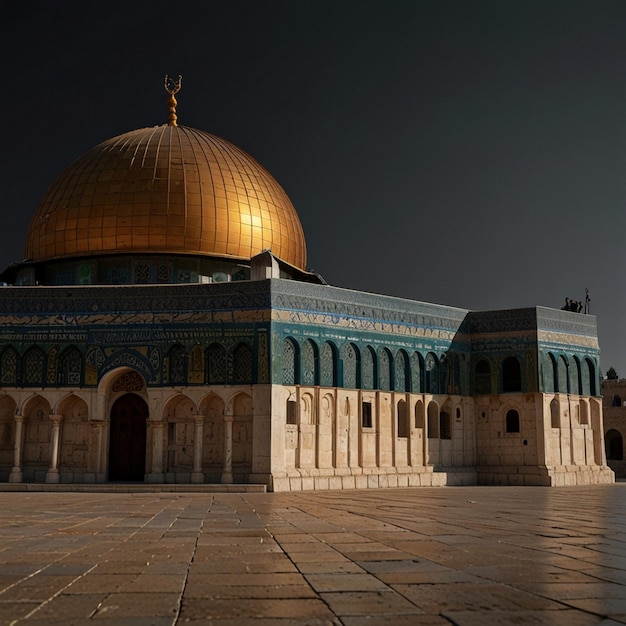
590	374
351	361
419	414
402	372
178	412
328	365
562	375
310	363
431	375
75	435
175	366
71	367
555	414
242	364
511	371
402	430
33	367
417	372
614	445
550	380
433	420
242	437
9	366
212	407
511	419
291	362
37	432
216	364
482	377
385	370
369	378
575	376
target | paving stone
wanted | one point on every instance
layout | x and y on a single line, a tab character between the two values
524	618
345	582
207	609
367	603
131	605
469	556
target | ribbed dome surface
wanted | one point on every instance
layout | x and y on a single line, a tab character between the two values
166	189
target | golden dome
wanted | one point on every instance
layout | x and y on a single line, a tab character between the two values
167	189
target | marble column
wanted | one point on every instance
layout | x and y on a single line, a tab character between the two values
52	475
197	476
16	475
156	474
227	471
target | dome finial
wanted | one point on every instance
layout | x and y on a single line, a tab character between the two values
172	87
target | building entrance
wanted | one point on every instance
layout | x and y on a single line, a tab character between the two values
127	438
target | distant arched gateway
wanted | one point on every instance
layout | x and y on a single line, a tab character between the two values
127	438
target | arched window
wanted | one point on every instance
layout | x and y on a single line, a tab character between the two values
403	419
614	445
33	366
482	377
419	414
310	369
328	365
216	364
445	425
402	378
351	369
555	414
369	378
550	382
512	421
431	375
8	366
242	365
292	412
575	380
177	365
70	366
590	373
384	368
561	375
433	421
417	372
366	414
291	374
584	412
511	375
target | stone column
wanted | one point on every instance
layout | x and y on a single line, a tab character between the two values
52	475
156	471
16	475
197	476
227	471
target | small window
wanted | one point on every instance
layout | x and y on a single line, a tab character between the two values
292	412
403	426
511	375
617	400
512	421
445	428
366	415
555	414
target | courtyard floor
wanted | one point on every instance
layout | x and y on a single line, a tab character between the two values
469	556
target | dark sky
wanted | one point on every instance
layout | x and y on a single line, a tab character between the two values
469	153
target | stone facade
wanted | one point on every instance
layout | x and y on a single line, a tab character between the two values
292	385
614	410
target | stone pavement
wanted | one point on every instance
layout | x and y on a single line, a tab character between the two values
468	556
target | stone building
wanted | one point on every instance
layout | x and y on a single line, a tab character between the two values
164	328
614	410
